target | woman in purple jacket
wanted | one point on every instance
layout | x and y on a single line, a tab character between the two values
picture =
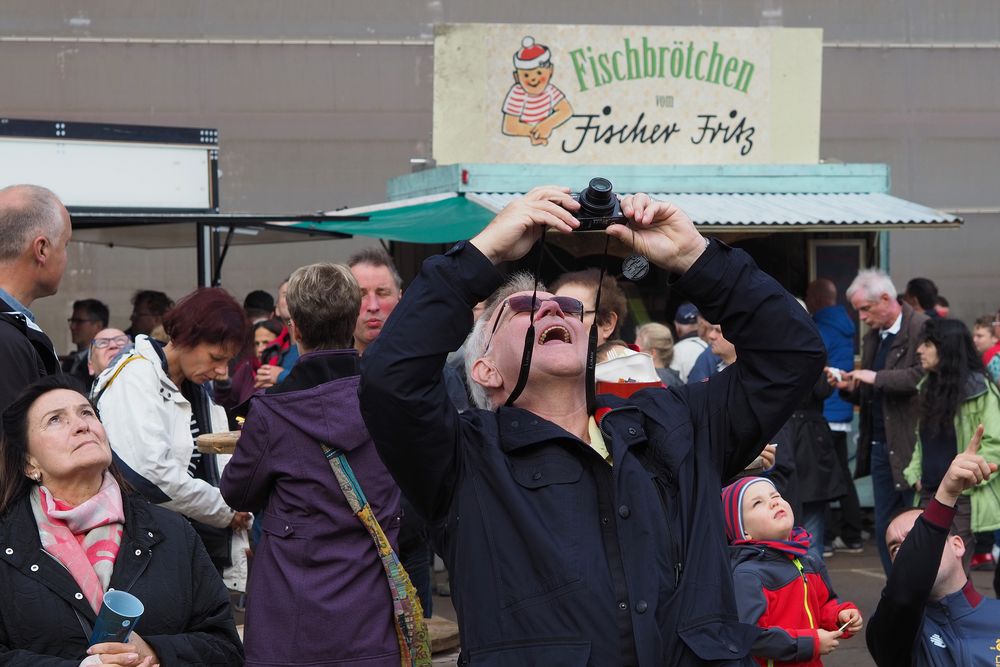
318	594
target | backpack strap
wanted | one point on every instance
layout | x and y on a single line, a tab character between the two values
121	366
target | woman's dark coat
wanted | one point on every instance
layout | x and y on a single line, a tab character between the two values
45	621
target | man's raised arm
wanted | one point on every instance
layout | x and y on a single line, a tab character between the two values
779	350
404	400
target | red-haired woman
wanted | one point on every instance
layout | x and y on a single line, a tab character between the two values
154	403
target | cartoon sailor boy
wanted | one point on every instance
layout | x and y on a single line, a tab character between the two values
534	107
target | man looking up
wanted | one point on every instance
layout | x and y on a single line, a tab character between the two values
34	233
105	347
930	613
574	537
886	389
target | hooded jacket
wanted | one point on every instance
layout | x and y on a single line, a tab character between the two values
790	604
318	595
837	330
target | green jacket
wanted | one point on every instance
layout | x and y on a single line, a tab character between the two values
981	405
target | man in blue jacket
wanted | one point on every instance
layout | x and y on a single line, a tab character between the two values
837	329
930	613
580	537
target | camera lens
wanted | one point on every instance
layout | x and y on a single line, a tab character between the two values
597	200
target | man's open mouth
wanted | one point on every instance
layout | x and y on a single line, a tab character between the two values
555	333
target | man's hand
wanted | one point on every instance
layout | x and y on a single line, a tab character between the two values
966	470
659	231
828	640
863	376
852	617
837	378
511	234
267	376
766	459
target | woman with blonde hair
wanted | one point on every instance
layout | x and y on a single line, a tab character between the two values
656	340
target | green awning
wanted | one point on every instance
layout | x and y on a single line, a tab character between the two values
441	218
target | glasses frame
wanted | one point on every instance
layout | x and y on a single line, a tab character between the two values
573	307
108	341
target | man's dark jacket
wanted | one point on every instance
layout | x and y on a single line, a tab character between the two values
25	355
557	558
900	404
45	621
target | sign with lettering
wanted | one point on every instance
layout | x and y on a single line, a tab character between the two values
560	94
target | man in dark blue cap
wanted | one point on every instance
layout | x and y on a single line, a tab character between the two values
692	330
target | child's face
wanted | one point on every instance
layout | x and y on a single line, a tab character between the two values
766	515
983	338
534	80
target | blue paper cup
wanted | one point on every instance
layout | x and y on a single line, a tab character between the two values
120	611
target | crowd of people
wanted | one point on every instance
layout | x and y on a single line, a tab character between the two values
595	501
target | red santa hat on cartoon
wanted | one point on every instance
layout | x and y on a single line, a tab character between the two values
531	55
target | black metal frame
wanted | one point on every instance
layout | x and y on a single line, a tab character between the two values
212	248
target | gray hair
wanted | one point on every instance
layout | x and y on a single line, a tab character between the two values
872	283
323	300
376	257
475	344
27	211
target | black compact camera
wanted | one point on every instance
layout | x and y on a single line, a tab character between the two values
599	207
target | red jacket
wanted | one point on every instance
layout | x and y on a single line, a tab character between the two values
771	592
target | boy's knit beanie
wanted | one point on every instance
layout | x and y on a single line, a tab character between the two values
732	504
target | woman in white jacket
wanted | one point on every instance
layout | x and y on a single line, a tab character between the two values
153	404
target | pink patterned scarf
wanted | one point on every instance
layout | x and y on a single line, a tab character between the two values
85	538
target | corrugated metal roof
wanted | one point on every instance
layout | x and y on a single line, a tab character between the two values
783	210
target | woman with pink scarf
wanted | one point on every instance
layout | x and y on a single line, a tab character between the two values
71	530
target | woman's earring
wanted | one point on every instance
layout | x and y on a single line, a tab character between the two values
37	476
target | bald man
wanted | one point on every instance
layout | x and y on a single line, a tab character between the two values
837	330
34	234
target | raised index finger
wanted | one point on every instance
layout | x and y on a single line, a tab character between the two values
977	438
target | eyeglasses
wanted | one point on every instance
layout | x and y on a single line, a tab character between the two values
521	303
101	343
80	320
136	314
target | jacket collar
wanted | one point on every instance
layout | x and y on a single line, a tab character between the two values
319	367
620	422
21	548
958	604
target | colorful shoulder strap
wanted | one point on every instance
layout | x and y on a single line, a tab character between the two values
411	630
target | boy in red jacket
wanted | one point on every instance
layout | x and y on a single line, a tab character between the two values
779	587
